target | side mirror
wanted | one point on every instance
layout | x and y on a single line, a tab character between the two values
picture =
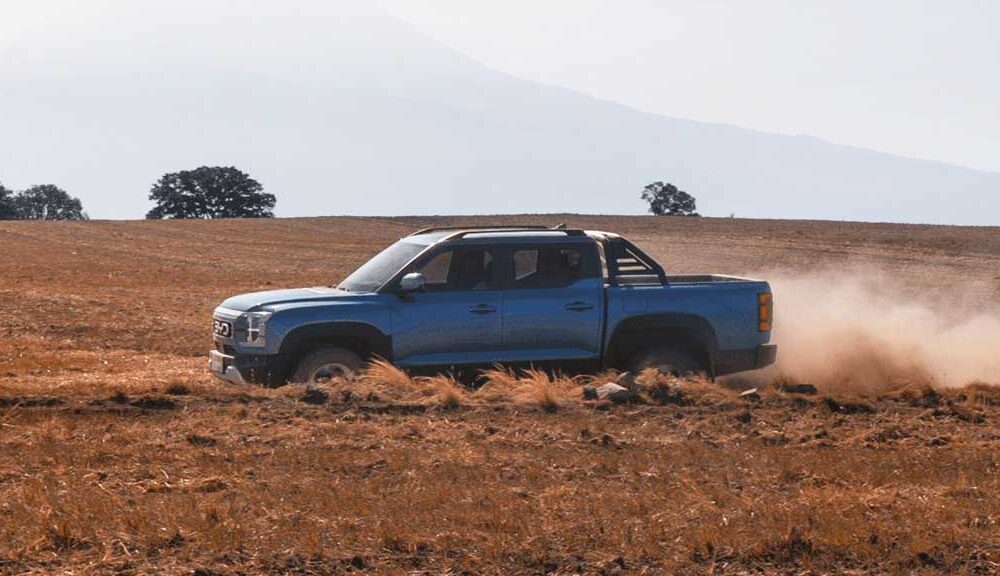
412	282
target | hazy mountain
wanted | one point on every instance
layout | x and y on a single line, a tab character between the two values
339	109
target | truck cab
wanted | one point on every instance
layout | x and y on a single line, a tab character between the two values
468	297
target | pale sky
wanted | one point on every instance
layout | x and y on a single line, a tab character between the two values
329	102
919	78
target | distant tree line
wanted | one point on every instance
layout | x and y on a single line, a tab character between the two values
226	192
41	202
205	192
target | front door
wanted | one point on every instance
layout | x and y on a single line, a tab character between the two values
553	304
457	318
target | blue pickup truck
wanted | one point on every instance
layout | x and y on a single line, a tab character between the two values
446	298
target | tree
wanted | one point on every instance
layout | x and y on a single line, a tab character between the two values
665	199
7	210
47	202
210	192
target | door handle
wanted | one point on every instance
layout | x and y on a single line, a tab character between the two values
579	306
483	309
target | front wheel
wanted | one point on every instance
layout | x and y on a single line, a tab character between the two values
666	360
326	364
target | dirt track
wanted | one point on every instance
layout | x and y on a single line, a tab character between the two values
118	454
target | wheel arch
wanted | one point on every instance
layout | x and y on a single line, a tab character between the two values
688	333
362	338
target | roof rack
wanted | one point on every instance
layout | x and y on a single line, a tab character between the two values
479	228
626	259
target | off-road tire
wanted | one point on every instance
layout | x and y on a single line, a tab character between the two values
674	362
311	367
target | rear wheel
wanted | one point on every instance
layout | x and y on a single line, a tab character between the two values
666	360
326	364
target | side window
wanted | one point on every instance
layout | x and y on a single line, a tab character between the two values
552	266
525	264
435	271
458	269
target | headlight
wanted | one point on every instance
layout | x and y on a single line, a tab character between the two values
257	328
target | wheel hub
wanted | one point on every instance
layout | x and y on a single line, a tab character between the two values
329	372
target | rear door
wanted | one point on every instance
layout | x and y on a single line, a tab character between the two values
457	318
552	302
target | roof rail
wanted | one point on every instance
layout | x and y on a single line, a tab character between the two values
487	227
463	232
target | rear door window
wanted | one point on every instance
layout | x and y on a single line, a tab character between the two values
552	266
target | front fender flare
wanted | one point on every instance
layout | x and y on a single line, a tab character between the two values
361	337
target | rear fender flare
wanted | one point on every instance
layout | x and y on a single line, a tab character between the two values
686	332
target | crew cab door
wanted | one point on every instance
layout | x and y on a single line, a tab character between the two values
457	317
552	302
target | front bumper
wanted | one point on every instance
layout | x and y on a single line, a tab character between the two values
224	367
265	369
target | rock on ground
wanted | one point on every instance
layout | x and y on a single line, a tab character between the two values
614	392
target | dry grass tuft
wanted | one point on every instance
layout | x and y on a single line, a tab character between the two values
537	388
528	387
656	388
916	393
386	381
443	390
980	394
499	386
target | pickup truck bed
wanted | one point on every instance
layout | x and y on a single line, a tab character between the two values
714	311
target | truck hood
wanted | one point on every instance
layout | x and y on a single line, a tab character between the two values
269	298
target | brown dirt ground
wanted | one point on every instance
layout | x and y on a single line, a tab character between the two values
120	455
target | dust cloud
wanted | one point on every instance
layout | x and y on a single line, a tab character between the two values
866	331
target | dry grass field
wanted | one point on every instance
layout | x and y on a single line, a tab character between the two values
119	454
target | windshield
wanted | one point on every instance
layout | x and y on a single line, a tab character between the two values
377	271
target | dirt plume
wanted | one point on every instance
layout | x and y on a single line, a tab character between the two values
864	331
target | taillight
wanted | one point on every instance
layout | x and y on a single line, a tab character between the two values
765	311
